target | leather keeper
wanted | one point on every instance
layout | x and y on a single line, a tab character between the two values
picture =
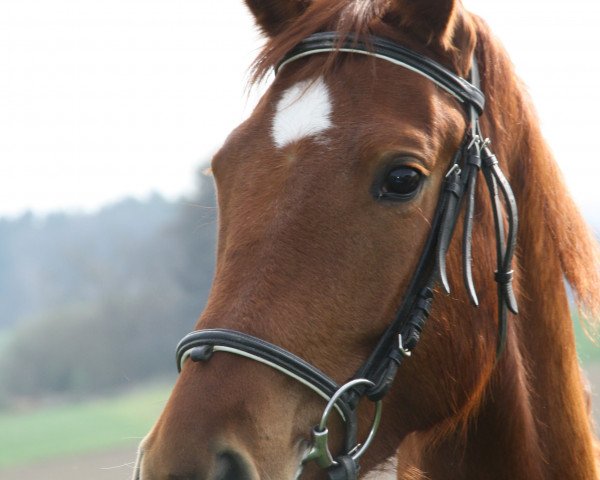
201	354
454	187
489	159
503	278
475	160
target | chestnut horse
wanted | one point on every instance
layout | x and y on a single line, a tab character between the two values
314	256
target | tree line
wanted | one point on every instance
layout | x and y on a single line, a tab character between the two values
89	303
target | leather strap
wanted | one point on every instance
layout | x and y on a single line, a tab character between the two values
242	344
505	244
471	173
200	345
347	469
387	50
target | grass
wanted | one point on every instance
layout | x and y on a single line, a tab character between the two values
79	428
96	425
588	350
4	338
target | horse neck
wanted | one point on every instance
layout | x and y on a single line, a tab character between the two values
554	380
533	421
544	356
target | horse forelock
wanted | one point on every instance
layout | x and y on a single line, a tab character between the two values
362	18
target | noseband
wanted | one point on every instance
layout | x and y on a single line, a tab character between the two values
374	378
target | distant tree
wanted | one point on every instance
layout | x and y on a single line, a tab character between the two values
194	234
47	262
117	290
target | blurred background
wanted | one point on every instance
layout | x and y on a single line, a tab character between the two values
109	112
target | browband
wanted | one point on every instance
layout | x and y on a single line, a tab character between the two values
383	49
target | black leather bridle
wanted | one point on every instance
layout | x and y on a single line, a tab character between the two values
374	378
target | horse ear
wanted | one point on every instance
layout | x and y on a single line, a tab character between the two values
430	20
273	15
441	24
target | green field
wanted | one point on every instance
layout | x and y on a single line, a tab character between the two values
4	339
50	432
588	349
78	428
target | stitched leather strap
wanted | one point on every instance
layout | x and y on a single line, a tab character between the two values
387	50
200	345
242	344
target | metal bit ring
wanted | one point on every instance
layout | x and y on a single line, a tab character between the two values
320	449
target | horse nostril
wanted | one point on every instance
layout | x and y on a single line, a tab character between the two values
230	466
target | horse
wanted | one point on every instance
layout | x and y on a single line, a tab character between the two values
329	200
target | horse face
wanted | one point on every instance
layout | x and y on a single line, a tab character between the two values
326	195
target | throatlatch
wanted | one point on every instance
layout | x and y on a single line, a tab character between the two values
375	377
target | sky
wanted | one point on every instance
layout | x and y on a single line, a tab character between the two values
101	99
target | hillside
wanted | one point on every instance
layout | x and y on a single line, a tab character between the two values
92	302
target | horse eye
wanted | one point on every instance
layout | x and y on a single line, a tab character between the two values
401	183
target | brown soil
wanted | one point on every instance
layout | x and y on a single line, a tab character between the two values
118	464
114	464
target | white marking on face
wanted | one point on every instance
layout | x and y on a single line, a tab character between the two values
304	110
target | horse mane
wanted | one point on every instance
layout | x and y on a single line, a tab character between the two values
550	220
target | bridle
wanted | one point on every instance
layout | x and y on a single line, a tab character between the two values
374	378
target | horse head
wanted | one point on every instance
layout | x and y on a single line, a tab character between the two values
329	194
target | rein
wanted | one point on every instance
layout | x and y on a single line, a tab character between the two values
375	377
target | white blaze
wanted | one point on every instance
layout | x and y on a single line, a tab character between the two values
304	110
